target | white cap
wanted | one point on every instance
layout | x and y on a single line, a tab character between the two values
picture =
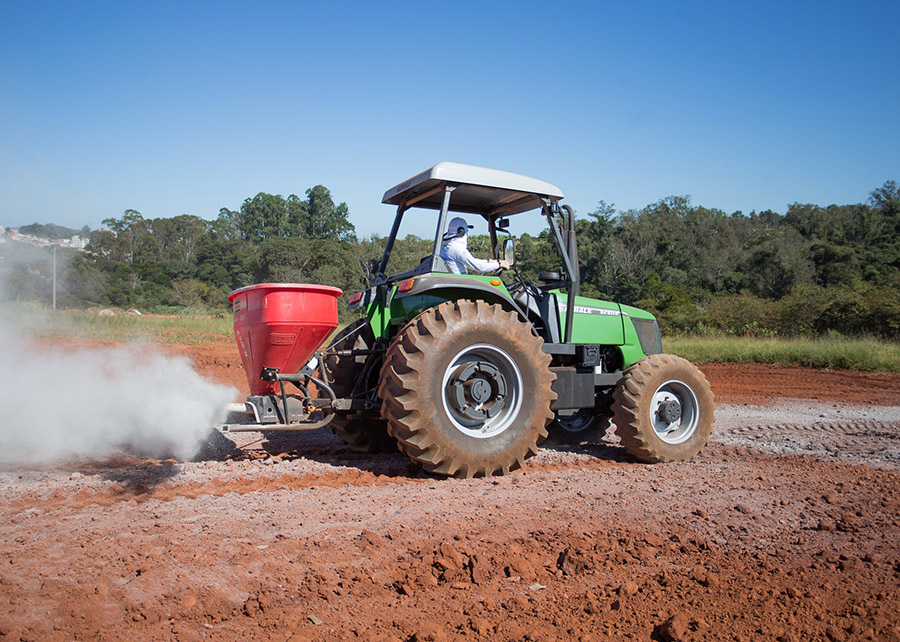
457	227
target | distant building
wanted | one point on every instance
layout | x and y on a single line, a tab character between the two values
76	242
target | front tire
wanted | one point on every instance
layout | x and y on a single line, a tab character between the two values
467	390
663	409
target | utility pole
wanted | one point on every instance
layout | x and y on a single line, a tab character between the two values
54	277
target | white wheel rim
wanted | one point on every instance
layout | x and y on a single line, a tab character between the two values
682	428
511	402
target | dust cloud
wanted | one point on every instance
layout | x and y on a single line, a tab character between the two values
59	404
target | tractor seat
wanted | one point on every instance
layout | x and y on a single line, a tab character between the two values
550	280
439	264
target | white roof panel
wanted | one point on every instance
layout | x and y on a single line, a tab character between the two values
480	190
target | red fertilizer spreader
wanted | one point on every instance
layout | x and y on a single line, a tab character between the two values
278	328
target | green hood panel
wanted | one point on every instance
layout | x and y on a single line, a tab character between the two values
595	321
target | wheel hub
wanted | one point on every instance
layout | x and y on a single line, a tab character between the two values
670	411
482	391
674	412
477	390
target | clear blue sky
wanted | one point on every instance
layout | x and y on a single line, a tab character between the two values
185	107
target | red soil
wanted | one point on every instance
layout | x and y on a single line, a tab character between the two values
296	538
759	383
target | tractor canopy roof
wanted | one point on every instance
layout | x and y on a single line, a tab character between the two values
489	192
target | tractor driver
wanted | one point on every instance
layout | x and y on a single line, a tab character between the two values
456	254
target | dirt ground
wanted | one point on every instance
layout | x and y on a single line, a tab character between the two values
786	527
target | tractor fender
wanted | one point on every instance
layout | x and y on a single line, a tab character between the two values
450	287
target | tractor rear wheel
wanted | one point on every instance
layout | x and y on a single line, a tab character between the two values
663	409
467	390
361	432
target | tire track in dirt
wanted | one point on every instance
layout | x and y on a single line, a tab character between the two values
867	442
886	429
131	480
107	492
112	493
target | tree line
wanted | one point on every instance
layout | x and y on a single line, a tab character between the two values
813	270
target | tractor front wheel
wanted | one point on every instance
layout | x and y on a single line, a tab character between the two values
466	390
663	409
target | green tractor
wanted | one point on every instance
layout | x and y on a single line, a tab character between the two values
468	374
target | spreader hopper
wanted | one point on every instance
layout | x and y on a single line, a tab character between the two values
278	328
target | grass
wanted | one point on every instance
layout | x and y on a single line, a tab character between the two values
870	355
187	329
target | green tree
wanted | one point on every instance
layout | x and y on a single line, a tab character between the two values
49	231
226	263
130	231
295	260
775	264
834	264
179	237
269	216
84	283
263	217
324	219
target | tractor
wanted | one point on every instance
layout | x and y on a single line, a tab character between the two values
468	374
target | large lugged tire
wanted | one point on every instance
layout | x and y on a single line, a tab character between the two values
467	390
582	426
364	432
663	409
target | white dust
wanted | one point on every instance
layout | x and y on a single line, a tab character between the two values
58	404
